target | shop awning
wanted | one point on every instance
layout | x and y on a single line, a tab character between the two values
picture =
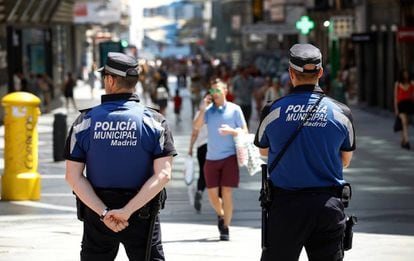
36	12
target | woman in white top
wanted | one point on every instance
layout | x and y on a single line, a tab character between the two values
199	139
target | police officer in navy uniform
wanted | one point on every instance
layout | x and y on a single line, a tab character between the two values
306	209
126	150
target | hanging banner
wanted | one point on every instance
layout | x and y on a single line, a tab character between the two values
102	12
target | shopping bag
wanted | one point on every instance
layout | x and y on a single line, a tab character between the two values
254	161
248	154
241	149
188	170
397	124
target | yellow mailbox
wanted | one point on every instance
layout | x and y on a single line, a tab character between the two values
20	181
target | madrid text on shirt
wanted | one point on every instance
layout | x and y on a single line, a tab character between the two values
300	112
121	133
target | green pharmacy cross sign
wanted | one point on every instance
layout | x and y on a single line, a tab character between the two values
304	24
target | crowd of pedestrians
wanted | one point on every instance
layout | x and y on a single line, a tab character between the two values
209	81
251	88
247	86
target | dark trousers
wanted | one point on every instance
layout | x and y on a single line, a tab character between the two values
181	80
201	157
315	221
101	243
247	112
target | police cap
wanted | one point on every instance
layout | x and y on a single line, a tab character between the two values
305	54
120	64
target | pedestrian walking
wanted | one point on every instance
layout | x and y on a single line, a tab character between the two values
126	149
243	86
404	104
181	70
44	83
24	83
285	83
92	78
161	92
224	120
309	139
339	87
178	101
68	87
199	139
196	90
270	91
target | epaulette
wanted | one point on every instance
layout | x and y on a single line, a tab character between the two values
86	110
152	108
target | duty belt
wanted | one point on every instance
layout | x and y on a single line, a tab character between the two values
143	212
334	191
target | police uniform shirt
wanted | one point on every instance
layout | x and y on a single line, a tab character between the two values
118	140
313	159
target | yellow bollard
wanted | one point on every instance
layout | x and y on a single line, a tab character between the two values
20	181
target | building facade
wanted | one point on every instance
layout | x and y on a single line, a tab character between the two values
35	36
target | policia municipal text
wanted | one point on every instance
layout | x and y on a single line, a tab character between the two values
127	151
309	139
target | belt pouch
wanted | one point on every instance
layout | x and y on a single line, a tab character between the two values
349	234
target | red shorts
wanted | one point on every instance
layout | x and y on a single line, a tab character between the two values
222	173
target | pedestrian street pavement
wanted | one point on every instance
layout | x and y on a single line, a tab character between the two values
381	174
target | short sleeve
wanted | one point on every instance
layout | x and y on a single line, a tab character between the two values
77	141
167	148
260	139
345	118
158	136
349	141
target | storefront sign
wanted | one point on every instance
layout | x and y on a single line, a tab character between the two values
97	13
282	28
362	38
405	34
342	26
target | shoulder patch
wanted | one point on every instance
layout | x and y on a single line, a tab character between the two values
86	110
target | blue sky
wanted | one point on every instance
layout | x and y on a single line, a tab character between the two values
136	30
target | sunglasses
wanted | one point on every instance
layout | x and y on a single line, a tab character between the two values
212	91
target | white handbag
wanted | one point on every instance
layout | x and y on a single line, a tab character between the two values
188	170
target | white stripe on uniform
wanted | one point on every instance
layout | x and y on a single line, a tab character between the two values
273	115
76	129
149	121
347	123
